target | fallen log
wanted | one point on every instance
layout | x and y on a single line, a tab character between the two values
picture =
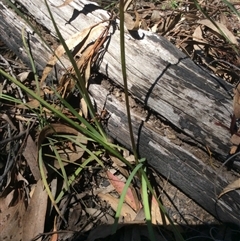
165	82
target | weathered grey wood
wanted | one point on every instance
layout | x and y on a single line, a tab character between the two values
198	180
159	75
163	79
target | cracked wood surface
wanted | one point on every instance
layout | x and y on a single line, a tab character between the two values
159	75
163	79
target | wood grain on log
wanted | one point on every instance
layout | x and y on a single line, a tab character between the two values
165	81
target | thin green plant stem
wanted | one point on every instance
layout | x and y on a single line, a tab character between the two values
18	101
85	149
232	8
31	61
33	66
45	183
149	186
124	74
110	145
77	115
146	207
57	156
97	138
80	81
76	173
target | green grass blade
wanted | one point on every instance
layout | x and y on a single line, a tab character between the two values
45	183
76	174
80	81
124	192
232	8
146	207
149	186
57	156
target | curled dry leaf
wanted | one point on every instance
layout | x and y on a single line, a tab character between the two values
130	23
126	4
169	23
217	29
84	108
126	211
66	130
198	37
23	76
85	57
231	187
83	37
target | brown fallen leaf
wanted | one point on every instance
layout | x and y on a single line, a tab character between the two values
231	187
126	211
217	29
198	37
11	221
57	129
235	139
158	217
30	154
83	37
131	195
126	4
37	208
169	23
233	150
130	23
23	76
32	104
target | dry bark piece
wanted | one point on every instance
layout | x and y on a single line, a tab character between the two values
235	139
37	208
236	102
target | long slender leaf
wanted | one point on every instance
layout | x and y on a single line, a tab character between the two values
124	192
